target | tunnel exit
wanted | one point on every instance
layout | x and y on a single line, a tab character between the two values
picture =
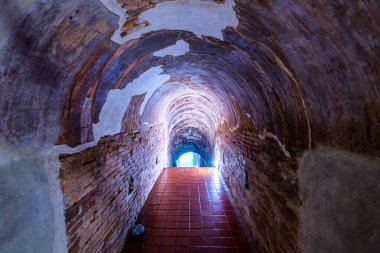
189	159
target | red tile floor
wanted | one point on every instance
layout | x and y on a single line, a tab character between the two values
190	210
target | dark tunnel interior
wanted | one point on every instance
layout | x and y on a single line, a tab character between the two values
282	97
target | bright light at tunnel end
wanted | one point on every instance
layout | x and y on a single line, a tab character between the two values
216	163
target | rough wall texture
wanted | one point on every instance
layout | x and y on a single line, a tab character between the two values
132	118
46	61
262	179
305	74
340	192
26	212
331	52
95	185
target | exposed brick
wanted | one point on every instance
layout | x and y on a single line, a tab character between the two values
95	186
273	186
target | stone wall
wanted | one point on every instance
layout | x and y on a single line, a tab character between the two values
99	210
262	178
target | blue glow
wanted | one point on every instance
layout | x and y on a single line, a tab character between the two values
189	159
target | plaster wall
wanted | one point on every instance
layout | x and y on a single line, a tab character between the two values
340	192
26	212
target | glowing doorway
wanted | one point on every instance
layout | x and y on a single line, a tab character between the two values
189	159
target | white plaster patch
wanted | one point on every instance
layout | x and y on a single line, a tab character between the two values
271	135
233	129
201	18
53	165
114	7
112	112
181	47
250	117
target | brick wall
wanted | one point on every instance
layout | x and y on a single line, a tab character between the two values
264	184
95	182
132	119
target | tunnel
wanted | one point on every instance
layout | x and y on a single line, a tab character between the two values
100	98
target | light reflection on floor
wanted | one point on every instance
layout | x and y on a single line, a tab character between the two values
190	211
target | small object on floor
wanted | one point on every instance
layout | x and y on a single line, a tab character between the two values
137	231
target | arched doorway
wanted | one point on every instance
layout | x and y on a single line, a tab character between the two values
190	159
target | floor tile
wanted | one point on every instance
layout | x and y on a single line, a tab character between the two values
150	249
189	211
167	240
182	241
166	249
182	250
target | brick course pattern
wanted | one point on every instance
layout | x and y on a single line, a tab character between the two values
95	182
264	183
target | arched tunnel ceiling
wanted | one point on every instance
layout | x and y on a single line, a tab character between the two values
303	71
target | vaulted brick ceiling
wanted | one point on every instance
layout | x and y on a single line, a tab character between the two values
291	67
